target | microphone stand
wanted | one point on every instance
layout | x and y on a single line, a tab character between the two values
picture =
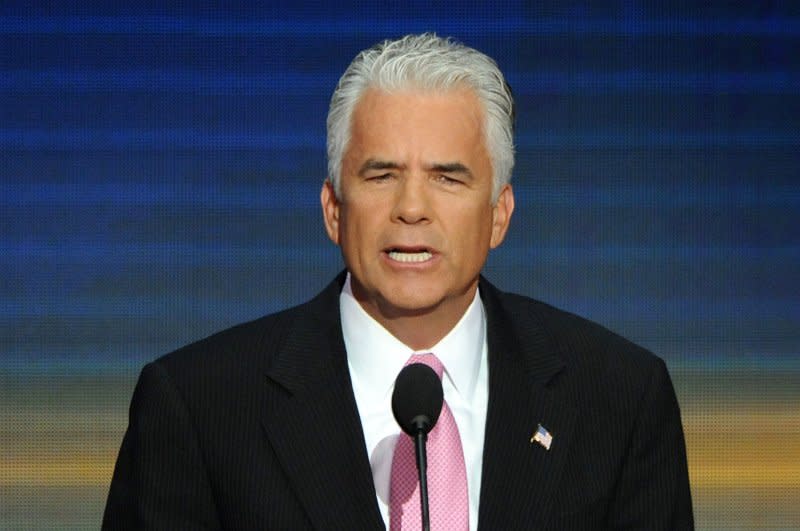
422	467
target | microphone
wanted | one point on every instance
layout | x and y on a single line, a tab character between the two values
416	403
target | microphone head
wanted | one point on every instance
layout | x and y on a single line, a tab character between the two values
417	398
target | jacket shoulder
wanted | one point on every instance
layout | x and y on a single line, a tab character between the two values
587	348
243	339
248	347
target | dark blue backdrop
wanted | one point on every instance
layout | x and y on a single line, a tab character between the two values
159	179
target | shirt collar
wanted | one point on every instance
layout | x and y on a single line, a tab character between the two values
375	356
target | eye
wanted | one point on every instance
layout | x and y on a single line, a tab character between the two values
446	179
379	178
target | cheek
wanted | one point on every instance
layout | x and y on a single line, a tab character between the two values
472	226
356	229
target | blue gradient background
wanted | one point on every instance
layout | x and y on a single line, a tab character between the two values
159	178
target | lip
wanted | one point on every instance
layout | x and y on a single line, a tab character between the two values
411	256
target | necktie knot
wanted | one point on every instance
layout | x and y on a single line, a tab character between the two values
430	360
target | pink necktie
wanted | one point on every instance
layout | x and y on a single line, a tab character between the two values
447	475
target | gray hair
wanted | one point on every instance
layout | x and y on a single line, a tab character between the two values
426	62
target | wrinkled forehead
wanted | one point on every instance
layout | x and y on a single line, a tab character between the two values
413	130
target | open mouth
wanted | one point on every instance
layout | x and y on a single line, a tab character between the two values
409	256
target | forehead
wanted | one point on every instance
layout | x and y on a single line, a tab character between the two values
415	120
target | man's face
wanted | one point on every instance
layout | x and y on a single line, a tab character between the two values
415	219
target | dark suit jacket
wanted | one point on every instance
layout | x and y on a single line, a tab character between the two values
257	428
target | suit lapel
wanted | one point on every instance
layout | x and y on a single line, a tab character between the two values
519	477
312	422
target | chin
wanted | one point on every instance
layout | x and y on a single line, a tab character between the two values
413	303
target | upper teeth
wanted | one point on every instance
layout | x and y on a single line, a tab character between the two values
410	257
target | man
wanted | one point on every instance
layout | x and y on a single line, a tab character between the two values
285	423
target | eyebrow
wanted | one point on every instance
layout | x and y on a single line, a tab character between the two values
444	167
377	164
451	167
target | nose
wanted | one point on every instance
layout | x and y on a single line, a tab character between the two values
411	203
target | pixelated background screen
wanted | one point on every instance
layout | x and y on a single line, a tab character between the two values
160	171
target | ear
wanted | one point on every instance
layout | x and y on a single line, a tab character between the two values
330	210
501	215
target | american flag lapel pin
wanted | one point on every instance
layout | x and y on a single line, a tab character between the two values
542	436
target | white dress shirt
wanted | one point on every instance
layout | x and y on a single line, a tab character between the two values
375	357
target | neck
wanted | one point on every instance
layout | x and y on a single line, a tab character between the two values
420	329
